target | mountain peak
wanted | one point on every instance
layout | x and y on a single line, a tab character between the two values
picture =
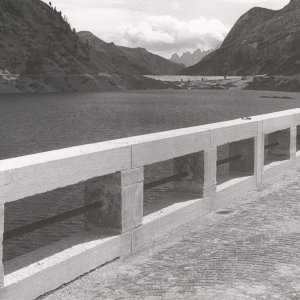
262	41
294	4
188	58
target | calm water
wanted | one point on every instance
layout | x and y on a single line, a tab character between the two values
35	123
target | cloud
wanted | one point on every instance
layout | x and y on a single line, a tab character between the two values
166	34
175	6
141	26
85	3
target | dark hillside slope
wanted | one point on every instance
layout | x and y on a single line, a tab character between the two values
262	41
36	39
39	47
131	60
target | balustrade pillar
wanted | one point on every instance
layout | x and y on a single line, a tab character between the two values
293	143
1	245
259	157
201	172
210	172
121	204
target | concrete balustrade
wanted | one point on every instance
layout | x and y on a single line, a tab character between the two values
113	176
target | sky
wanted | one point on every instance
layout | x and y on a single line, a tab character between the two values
163	27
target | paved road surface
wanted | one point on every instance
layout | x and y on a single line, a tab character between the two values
250	251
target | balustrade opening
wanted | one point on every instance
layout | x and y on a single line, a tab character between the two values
31	223
172	181
277	146
235	160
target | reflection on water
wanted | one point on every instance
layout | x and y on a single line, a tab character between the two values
36	123
37	208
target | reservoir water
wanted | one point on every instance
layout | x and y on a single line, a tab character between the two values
35	123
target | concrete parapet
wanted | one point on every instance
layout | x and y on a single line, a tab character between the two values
113	175
151	151
234	131
40	173
277	123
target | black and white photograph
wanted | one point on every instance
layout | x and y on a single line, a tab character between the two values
150	149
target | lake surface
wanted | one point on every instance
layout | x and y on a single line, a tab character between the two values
35	123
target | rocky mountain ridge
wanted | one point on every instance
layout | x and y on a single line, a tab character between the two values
190	59
262	41
130	60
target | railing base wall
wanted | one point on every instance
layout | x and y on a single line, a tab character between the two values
297	161
276	169
59	268
170	218
230	191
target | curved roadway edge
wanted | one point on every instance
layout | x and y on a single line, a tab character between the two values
248	250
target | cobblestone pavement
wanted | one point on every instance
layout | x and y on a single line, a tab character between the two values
251	250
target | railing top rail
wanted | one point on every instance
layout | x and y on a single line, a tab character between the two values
25	176
52	155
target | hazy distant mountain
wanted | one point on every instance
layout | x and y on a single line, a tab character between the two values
190	59
131	60
262	41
